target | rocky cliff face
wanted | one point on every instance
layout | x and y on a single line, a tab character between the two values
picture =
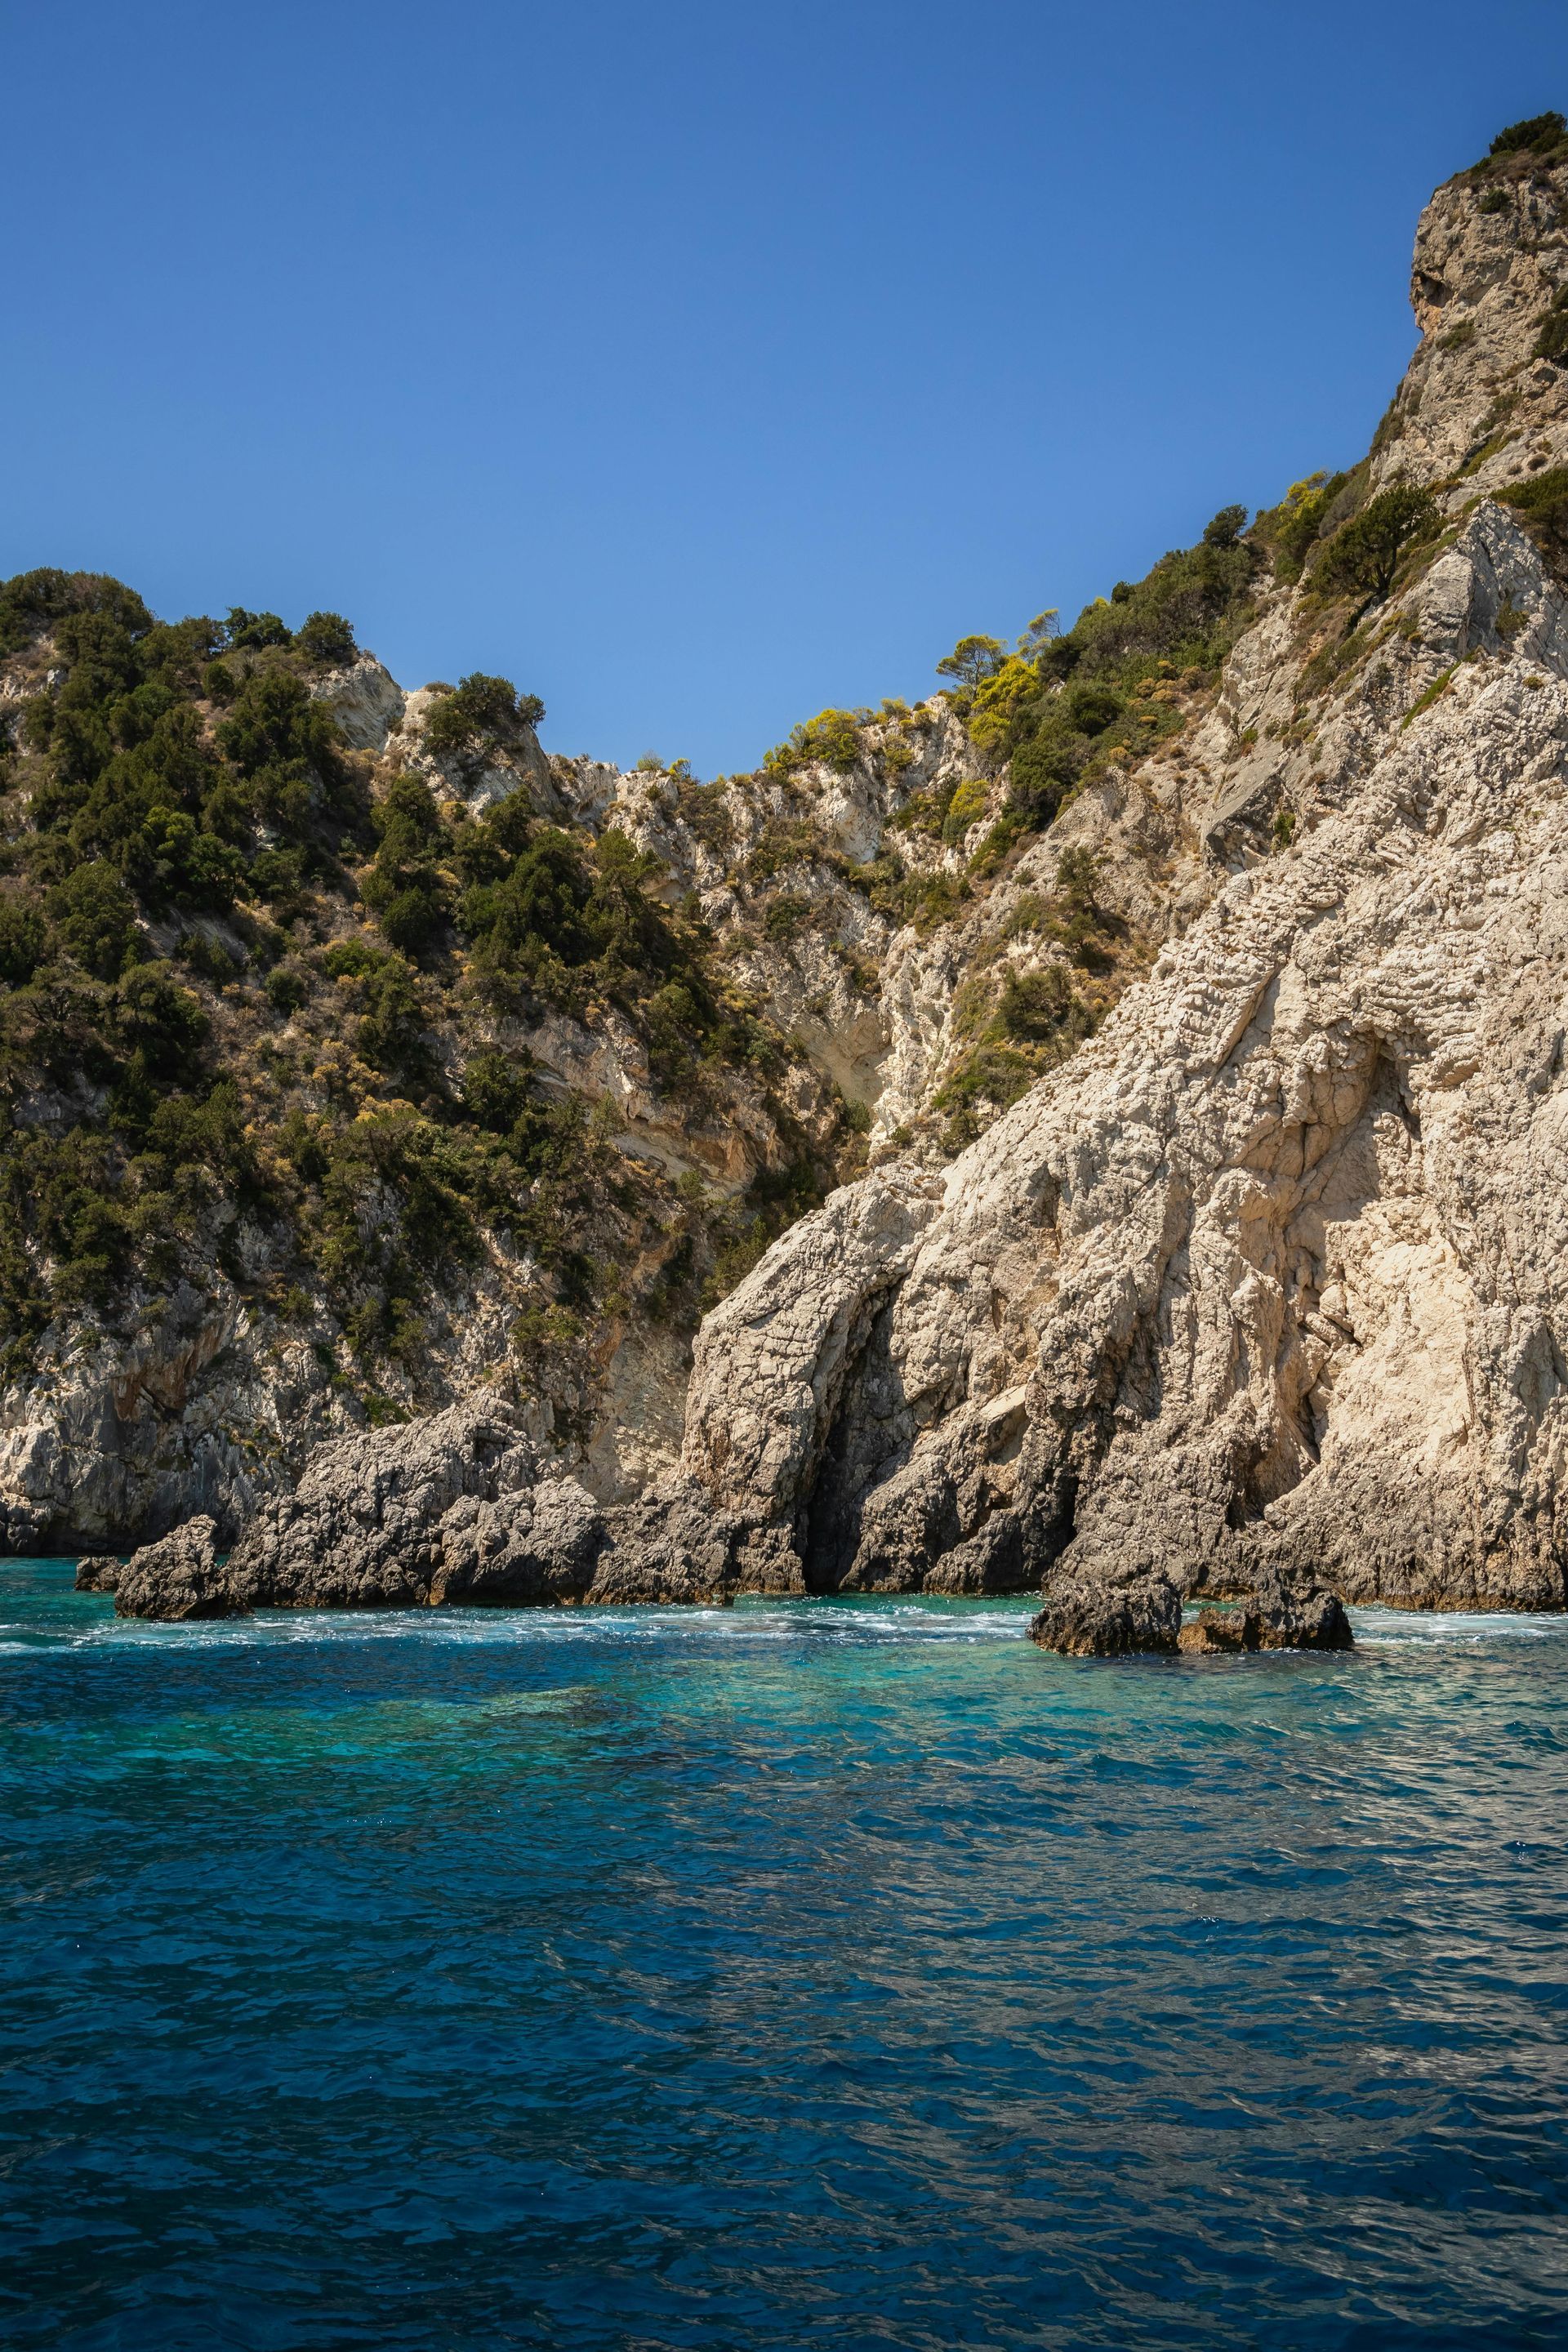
1197	1017
1273	1275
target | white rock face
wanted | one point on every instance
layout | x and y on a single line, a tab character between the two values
1274	1274
1474	396
365	700
1276	1270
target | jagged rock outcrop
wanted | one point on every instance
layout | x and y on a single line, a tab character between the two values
1097	1617
177	1577
1280	1617
365	700
456	1509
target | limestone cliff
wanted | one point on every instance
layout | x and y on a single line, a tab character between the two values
1220	940
1273	1275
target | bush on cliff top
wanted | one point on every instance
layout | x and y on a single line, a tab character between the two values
481	710
1536	136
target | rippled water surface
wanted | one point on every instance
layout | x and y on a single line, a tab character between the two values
837	1973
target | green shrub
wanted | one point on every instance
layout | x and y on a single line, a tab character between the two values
326	640
782	842
23	938
407	887
994	711
495	1089
973	660
832	739
478	711
993	1074
391	1033
254	630
1227	526
95	916
1290	530
1552	342
160	1022
966	808
33	602
274	724
354	959
203	954
1541	503
788	915
1034	1004
286	988
60	1195
924	899
1496	200
1363	556
1077	876
1089	707
1536	136
538	905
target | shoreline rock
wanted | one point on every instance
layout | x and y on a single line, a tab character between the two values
1102	1617
458	1509
177	1577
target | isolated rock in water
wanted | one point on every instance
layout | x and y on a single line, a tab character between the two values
1092	1618
178	1577
1300	1617
99	1572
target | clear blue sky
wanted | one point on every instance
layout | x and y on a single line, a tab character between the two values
700	364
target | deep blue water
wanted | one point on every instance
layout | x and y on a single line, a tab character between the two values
849	1973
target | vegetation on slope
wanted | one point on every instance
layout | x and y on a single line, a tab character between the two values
259	1016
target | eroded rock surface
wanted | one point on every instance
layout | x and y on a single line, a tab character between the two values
1273	1276
456	1509
1093	1617
1280	1617
177	1577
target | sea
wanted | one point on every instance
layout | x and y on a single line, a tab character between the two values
840	1972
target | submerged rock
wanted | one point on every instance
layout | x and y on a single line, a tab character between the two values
1301	1617
1107	1617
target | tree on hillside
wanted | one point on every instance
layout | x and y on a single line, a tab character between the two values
973	660
1365	554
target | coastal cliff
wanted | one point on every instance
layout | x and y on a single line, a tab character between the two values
1181	995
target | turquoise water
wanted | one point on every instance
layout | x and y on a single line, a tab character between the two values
848	1973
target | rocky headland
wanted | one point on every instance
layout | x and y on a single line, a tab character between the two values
1183	997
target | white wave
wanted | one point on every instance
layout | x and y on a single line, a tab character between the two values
1395	1629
